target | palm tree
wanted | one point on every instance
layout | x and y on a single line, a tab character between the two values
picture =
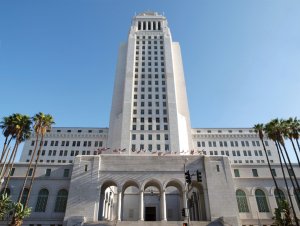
289	132
20	212
295	127
272	129
5	205
258	128
22	127
8	131
42	123
21	130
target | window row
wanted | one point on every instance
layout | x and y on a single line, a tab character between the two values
150	136
150	112
149	37
253	171
65	152
48	171
232	143
156	89
149	25
149	96
142	82
149	147
150	120
67	143
149	76
150	104
150	42
150	58
238	153
149	69
143	47
262	200
42	199
150	127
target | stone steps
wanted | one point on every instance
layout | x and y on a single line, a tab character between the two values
146	223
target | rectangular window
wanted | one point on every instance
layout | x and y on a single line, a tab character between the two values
254	173
30	172
236	173
66	172
274	172
48	172
12	172
266	143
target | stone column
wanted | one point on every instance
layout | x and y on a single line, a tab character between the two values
164	206
120	206
142	206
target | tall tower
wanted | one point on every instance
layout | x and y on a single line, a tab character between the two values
149	108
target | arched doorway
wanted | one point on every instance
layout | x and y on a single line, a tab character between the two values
152	201
108	204
174	200
196	203
131	201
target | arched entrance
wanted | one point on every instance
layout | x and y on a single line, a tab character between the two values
174	200
108	204
152	201
196	203
131	201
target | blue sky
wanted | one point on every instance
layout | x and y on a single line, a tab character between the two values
241	58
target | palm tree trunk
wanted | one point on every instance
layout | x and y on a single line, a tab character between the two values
297	141
273	177
286	184
28	168
10	168
295	151
34	170
291	166
10	160
4	149
4	162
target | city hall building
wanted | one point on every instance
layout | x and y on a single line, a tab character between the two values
133	173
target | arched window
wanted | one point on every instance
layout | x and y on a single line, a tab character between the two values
261	200
279	195
242	201
297	197
7	191
24	196
61	201
42	201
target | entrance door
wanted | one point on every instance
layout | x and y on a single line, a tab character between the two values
150	213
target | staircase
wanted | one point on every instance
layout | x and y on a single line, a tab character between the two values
146	223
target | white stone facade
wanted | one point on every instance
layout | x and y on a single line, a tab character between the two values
134	171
